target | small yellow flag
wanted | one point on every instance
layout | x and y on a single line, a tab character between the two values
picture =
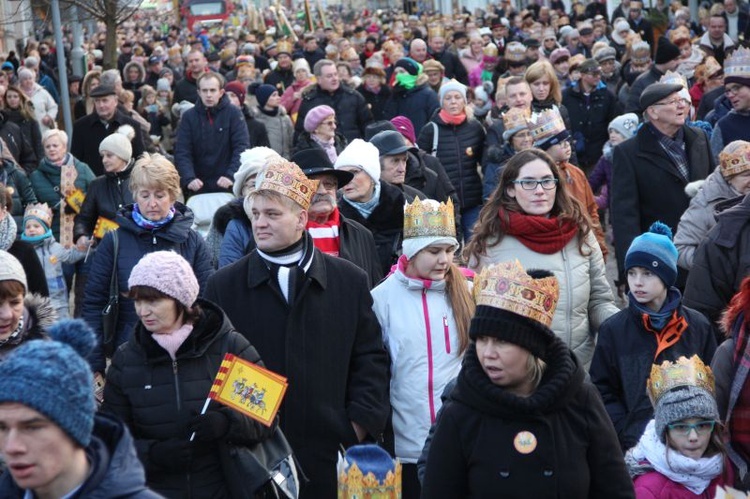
249	388
104	225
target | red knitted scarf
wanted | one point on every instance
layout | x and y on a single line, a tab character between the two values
326	235
450	119
539	234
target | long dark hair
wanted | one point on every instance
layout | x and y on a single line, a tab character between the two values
489	226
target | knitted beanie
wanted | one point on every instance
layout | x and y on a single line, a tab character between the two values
625	124
409	65
360	154
405	127
316	115
53	378
252	162
301	63
238	89
263	93
666	51
119	144
168	272
655	251
162	85
11	269
451	86
683	403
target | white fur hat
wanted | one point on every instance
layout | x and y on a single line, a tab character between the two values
363	155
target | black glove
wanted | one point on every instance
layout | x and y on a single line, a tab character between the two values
173	454
211	426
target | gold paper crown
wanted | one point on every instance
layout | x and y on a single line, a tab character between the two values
41	211
706	70
429	218
673	77
516	118
515	52
435	30
490	50
735	158
284	46
738	64
352	484
683	372
546	124
287	179
507	286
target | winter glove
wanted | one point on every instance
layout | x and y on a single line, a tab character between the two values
211	426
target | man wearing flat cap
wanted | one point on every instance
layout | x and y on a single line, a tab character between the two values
667	59
652	169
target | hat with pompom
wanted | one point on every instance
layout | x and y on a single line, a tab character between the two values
169	273
53	378
655	251
118	143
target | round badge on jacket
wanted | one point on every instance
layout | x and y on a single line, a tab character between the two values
525	442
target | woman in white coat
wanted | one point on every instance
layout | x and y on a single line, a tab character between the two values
45	107
531	217
424	308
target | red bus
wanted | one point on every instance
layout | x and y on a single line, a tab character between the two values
207	12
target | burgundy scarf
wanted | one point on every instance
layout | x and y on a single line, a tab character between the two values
539	234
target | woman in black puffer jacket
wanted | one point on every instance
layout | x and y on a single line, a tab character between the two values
459	145
175	352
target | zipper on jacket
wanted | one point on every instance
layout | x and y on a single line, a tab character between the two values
177	385
568	311
446	334
426	313
153	239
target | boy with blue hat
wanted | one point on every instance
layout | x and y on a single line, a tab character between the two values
653	328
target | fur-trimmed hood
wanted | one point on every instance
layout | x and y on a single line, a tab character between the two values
38	316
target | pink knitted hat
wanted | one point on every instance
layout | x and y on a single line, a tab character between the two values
405	127
316	115
168	272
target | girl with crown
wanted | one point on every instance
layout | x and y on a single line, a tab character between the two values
424	308
681	453
522	421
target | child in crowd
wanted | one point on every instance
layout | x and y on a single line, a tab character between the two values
36	222
681	454
655	327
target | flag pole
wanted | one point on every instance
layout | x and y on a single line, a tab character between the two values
203	411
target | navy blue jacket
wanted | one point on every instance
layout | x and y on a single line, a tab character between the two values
209	144
134	243
418	104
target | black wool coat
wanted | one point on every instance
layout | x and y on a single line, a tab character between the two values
646	185
89	131
327	343
106	195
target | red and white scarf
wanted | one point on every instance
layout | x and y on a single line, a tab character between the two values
326	235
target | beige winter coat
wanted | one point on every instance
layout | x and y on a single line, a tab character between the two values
586	299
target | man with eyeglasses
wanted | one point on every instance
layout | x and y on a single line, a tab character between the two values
735	125
332	232
667	59
651	170
639	23
352	112
591	106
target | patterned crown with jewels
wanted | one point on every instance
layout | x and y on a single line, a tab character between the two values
516	118
435	30
735	158
682	372
507	286
353	484
428	218
42	211
284	46
546	124
738	64
287	179
674	78
515	52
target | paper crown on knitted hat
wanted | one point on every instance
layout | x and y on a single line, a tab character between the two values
515	120
515	53
641	53
681	390
737	67
287	179
368	471
707	69
547	128
673	77
40	212
167	272
428	222
655	251
435	30
734	158
285	47
53	378
515	306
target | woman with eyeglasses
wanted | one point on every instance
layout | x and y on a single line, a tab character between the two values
682	453
531	217
321	133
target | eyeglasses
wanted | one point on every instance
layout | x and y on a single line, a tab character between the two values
732	90
673	102
530	184
701	427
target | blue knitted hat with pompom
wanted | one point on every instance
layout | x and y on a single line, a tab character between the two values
53	378
655	251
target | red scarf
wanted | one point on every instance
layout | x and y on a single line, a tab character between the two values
326	235
451	119
539	234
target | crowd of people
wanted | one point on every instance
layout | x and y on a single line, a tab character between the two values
408	217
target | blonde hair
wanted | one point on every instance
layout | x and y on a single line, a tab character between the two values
55	132
541	69
157	172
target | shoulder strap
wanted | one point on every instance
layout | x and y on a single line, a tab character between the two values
114	284
434	138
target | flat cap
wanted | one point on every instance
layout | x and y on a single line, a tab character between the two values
656	92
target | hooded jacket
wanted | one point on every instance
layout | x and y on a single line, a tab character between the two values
134	243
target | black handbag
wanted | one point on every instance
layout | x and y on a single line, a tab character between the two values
265	470
111	311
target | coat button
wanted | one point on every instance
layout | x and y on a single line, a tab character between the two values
548	473
505	473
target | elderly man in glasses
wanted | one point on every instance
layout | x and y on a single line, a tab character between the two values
652	169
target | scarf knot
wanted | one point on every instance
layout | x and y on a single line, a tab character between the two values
540	234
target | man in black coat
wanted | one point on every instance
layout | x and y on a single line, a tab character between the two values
651	169
89	131
310	314
352	114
